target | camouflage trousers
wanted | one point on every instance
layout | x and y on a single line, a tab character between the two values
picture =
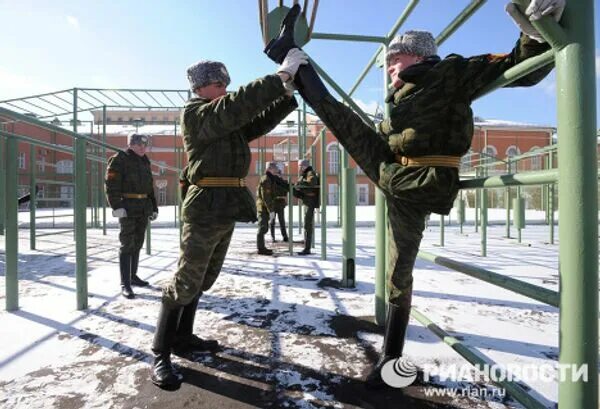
309	225
132	234
263	220
406	220
280	215
203	250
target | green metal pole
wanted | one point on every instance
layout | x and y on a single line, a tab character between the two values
314	159
463	209
349	225
2	183
381	229
578	206
148	239
519	230
300	156
323	146
477	196
290	200
11	243
103	197
80	214
176	196
484	221
441	230
508	202
32	196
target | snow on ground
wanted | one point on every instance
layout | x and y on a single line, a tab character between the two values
292	337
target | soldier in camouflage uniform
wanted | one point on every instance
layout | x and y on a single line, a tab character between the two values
217	128
414	156
269	187
279	205
130	193
309	186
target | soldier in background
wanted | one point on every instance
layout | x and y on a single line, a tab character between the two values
269	187
414	155
217	128
309	186
130	193
279	206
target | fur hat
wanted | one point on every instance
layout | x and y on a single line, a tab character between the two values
413	42
303	163
138	139
206	72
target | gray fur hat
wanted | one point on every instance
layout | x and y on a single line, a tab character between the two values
206	72
413	42
303	163
272	166
138	139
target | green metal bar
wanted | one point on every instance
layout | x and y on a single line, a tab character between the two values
290	200
477	358
578	205
37	142
381	229
383	48
552	32
463	211
508	200
517	286
477	201
176	204
524	179
103	196
484	221
148	239
520	230
348	99
80	214
349	226
349	37
2	181
313	153
32	197
323	147
11	243
459	20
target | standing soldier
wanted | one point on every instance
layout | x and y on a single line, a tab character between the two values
309	186
269	187
279	206
130	193
217	128
414	156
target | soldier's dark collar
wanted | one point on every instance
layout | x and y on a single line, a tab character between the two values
412	75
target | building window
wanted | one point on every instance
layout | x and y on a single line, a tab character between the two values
41	165
64	166
536	161
333	157
41	191
489	153
162	196
21	160
333	194
362	194
512	151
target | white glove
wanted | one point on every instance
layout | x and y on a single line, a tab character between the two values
292	61
540	8
153	217
523	23
120	212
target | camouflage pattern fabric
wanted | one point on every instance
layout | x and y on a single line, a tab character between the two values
216	136
132	234
128	172
280	216
203	250
263	221
309	186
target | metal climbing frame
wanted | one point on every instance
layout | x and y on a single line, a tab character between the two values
573	53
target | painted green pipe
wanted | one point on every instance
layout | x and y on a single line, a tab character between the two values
2	182
517	286
477	358
442	230
11	244
348	37
32	196
149	238
290	200
323	147
349	227
484	221
578	205
176	196
104	164
525	179
313	156
80	214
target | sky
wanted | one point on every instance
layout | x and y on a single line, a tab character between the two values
48	46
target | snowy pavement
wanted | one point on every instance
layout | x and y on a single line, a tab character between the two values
292	337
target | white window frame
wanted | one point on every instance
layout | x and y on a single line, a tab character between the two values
333	194
364	187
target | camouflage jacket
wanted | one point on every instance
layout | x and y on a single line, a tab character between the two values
184	183
216	136
309	186
127	172
270	187
431	115
281	193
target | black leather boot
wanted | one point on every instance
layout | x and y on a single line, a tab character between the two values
186	343
125	267
278	47
135	280
164	374
393	341
260	244
307	243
